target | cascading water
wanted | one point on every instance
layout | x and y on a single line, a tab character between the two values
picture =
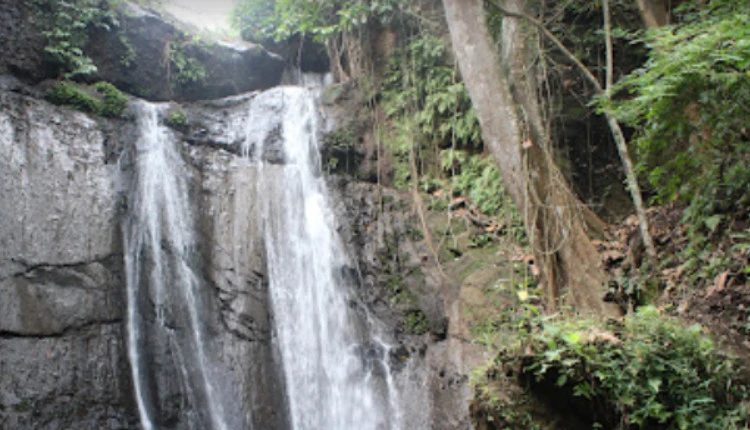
334	380
165	319
336	375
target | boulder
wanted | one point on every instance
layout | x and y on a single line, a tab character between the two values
61	278
153	58
142	53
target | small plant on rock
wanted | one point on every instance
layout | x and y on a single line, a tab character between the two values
67	94
114	103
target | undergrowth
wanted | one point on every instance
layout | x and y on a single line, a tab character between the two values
106	101
647	372
66	26
689	105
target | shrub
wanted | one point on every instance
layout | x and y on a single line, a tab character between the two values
176	120
114	103
65	93
689	105
651	372
417	323
66	25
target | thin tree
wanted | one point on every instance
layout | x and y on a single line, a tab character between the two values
654	12
514	133
614	126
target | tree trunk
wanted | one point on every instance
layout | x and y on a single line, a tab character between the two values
514	132
654	12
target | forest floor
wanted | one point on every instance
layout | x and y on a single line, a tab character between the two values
705	283
702	281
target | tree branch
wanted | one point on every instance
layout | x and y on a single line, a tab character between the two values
622	147
557	42
617	134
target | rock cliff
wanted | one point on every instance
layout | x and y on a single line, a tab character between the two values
141	52
62	286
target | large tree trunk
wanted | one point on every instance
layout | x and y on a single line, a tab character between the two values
514	132
654	12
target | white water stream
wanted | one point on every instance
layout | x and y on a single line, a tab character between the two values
335	373
164	306
331	382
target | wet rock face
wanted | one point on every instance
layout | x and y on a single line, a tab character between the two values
398	279
55	187
145	55
61	278
235	269
23	45
154	59
77	380
62	287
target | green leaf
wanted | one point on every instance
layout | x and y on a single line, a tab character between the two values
712	222
654	384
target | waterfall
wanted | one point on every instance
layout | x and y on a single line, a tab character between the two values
167	345
334	376
334	366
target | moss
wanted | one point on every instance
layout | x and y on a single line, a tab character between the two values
176	120
67	94
650	369
114	101
23	406
416	322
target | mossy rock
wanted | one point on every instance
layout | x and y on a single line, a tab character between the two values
102	98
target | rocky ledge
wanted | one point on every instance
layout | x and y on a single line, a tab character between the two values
141	52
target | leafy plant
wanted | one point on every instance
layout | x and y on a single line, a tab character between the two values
417	323
652	372
68	23
65	93
254	19
188	69
114	101
428	109
689	105
261	20
421	84
176	120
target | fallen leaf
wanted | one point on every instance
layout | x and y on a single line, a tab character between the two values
720	283
598	335
523	295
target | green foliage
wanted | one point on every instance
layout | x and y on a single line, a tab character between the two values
176	120
421	84
114	101
67	31
428	109
690	104
254	19
260	20
417	323
652	372
477	177
187	69
128	57
65	93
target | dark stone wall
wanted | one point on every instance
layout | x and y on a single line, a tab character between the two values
140	55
